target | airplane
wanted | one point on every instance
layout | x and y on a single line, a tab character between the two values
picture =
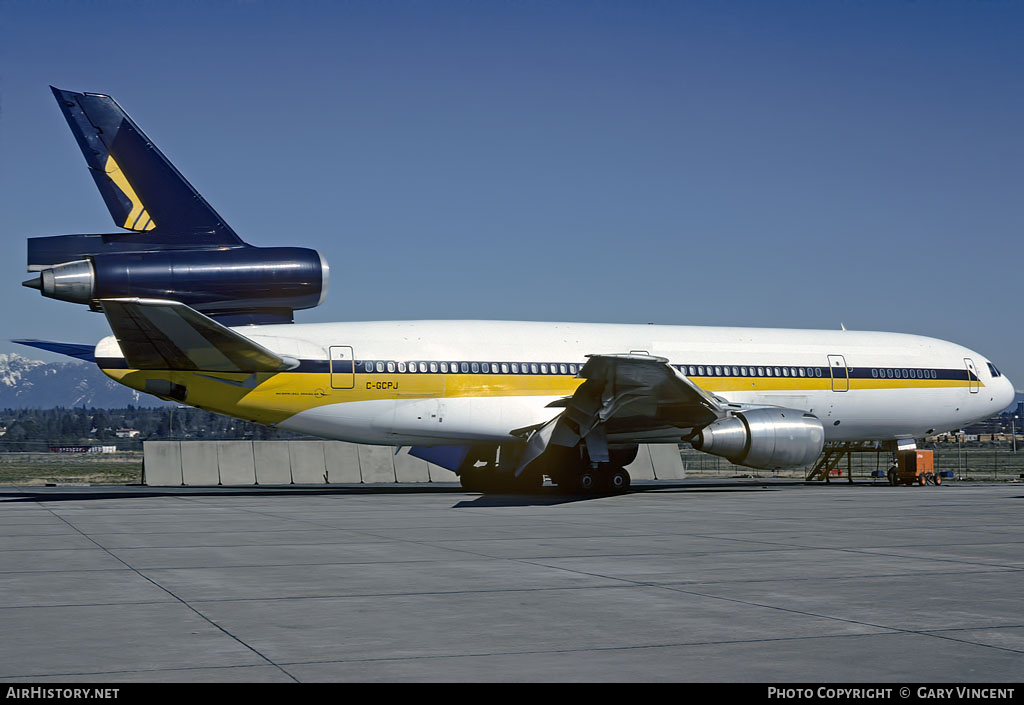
202	318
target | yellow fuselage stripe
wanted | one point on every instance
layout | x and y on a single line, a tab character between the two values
278	396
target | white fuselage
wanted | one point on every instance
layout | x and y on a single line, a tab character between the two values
861	385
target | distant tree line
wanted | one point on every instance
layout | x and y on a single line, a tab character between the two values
38	429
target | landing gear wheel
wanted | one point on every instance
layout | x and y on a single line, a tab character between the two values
588	482
618	480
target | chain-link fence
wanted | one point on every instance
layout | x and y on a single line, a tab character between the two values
990	463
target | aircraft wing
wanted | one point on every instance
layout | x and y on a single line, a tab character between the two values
625	397
159	334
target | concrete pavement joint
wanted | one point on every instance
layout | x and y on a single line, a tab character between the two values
183	602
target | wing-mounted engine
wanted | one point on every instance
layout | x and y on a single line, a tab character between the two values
176	246
767	438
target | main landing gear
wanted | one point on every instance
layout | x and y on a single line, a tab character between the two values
594	481
599	481
568	468
575	473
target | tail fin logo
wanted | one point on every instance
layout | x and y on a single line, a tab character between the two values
138	219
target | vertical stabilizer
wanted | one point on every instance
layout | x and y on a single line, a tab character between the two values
141	188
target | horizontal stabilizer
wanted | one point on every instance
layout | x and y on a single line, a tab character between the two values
157	334
75	350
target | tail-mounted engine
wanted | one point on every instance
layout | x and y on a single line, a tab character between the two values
176	246
766	438
242	284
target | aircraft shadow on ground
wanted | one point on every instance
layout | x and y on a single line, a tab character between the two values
547	496
550	496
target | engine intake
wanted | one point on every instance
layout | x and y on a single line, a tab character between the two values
767	439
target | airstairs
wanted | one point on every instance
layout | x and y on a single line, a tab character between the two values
833	455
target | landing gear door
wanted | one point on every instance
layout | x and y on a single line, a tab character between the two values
342	367
840	373
973	382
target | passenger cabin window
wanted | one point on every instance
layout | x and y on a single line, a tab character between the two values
464	366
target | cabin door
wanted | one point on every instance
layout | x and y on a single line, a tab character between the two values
840	373
973	383
343	375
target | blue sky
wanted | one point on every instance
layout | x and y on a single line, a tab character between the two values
795	164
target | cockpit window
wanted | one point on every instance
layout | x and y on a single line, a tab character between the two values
993	370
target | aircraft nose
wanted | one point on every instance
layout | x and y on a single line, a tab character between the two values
1007	393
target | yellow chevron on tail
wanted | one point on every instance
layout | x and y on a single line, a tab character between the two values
138	219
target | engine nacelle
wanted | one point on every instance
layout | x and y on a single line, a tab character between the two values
263	283
767	439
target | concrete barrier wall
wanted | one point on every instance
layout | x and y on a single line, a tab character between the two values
273	464
643	467
161	463
236	463
377	463
666	461
308	464
342	460
410	469
247	463
199	463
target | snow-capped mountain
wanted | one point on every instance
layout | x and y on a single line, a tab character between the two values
26	383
